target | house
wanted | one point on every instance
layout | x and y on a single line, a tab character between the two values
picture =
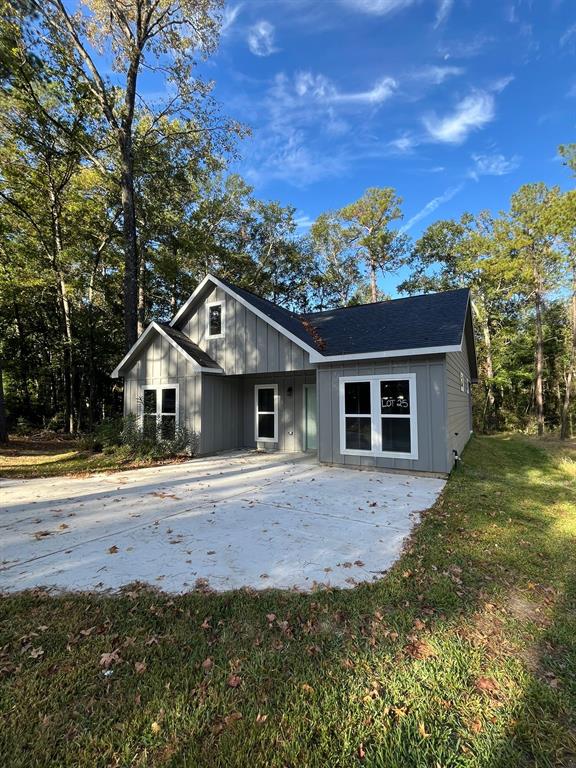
377	385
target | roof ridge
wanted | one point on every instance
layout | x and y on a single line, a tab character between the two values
385	301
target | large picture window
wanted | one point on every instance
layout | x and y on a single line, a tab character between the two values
160	411
378	416
266	403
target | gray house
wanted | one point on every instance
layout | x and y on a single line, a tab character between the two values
378	385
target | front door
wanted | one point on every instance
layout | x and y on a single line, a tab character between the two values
310	429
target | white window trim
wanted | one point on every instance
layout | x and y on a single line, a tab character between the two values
376	415
159	414
274	439
222	306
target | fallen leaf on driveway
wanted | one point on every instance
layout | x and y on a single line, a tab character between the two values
113	549
42	534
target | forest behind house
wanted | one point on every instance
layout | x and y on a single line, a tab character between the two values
113	209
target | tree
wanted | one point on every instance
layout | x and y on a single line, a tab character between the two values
376	244
163	36
339	268
529	251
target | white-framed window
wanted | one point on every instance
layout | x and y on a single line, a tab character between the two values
160	410
462	382
215	319
266	410
378	416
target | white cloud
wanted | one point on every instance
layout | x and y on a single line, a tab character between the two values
431	206
502	82
261	39
474	111
403	144
321	89
444	9
493	165
436	74
378	7
229	16
568	35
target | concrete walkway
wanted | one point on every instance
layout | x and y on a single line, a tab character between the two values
234	520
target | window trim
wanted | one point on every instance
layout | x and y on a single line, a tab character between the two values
159	414
257	388
376	415
222	306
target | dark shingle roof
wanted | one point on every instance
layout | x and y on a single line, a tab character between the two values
430	320
192	349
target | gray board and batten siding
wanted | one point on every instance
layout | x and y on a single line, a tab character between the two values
249	344
431	412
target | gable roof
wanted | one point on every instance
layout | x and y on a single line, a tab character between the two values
416	322
187	348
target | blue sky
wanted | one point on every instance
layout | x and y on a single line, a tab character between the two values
454	103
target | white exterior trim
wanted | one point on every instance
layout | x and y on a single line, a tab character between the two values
375	416
159	412
154	326
222	305
316	357
280	328
258	387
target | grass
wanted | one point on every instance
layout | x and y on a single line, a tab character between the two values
26	458
463	655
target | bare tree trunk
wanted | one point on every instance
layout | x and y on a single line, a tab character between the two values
565	429
141	293
65	310
130	241
3	424
539	359
373	286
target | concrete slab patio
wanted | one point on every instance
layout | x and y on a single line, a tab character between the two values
234	520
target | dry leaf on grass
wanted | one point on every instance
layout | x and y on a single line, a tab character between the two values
155	727
486	684
307	688
35	653
207	664
234	681
261	718
107	659
140	667
420	649
422	731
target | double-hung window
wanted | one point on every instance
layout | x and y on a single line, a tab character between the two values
160	416
266	402
378	416
215	320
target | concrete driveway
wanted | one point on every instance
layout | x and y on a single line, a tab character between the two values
235	520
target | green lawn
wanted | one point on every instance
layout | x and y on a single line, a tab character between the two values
27	458
463	655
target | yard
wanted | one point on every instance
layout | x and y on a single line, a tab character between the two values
464	654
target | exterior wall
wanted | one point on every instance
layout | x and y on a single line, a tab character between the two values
221	413
290	410
431	405
249	345
160	363
458	403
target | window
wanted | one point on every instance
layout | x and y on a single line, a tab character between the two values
462	387
378	416
266	404
160	411
215	320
